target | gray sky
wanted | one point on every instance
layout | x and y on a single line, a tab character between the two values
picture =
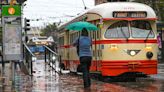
49	11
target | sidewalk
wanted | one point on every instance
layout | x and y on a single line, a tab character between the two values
5	80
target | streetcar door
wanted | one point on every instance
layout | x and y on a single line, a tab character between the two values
67	49
95	35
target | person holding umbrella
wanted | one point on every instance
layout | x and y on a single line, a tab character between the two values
84	45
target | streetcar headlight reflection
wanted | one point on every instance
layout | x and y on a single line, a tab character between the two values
53	58
34	58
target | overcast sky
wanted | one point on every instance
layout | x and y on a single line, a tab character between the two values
42	12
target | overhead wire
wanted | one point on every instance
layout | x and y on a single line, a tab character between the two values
84	5
32	9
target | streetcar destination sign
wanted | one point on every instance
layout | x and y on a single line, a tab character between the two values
129	14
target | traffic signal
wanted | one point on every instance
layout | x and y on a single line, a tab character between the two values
27	24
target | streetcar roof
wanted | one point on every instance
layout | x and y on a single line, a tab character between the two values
106	10
121	6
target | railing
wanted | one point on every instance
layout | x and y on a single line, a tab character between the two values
52	59
29	57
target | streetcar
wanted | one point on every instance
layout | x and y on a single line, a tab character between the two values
36	49
36	44
42	40
126	42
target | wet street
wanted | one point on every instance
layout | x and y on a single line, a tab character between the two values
45	79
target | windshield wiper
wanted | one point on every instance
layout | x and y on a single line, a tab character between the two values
124	34
147	36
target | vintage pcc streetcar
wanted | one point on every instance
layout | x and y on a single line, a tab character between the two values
125	43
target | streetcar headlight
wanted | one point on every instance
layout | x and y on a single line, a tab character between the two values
148	47
132	53
149	54
113	47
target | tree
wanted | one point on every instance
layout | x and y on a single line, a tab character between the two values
161	9
157	5
50	30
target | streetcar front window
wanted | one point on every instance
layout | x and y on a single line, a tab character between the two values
118	30
141	29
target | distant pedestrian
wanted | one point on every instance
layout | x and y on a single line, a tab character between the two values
84	46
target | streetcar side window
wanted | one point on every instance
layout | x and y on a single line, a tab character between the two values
73	36
61	41
141	29
91	34
118	30
76	34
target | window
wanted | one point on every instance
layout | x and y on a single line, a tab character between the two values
141	29
71	38
118	30
61	41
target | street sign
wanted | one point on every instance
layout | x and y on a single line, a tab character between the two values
14	10
12	43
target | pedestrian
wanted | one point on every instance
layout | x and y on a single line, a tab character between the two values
84	45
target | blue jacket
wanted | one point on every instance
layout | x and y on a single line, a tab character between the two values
84	46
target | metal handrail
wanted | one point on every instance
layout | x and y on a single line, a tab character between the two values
28	49
49	53
27	60
51	50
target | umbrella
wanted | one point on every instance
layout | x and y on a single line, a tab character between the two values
78	26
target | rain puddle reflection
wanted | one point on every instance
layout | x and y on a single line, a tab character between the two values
47	80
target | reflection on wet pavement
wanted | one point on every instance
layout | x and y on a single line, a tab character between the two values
47	80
